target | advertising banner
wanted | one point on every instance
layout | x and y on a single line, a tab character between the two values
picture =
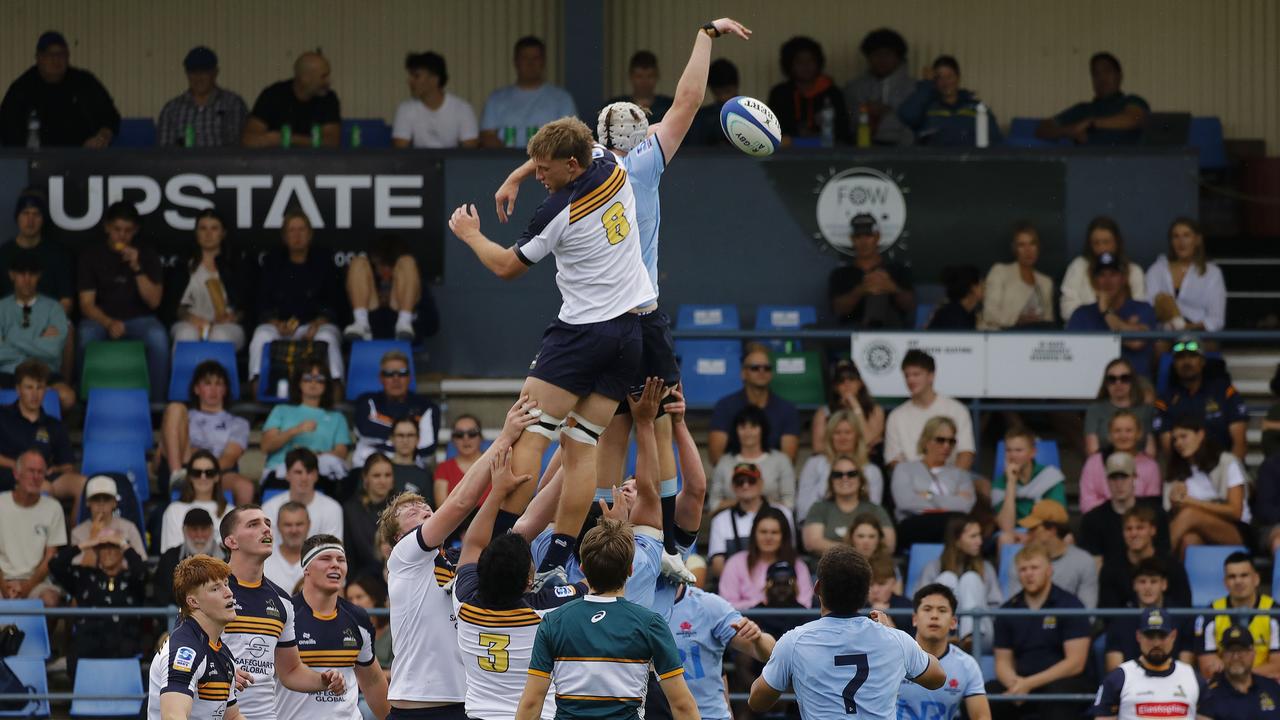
961	360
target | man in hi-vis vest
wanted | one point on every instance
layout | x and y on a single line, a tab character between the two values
1241	579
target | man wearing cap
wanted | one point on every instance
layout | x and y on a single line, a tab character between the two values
102	495
32	326
70	106
1102	528
731	527
206	115
301	108
1208	395
29	212
1116	311
1242	583
1238	693
871	292
197	539
1073	569
1118	575
1155	684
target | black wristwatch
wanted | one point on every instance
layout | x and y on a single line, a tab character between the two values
710	30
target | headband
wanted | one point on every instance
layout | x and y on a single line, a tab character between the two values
306	559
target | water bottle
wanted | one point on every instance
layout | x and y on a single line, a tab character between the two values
315	136
286	135
864	127
980	126
827	123
355	135
189	136
33	131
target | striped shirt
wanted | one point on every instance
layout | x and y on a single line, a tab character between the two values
263	624
217	123
328	642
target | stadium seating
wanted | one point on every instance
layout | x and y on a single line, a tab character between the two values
187	355
36	644
785	317
116	676
924	312
1204	571
1022	133
709	370
707	317
365	361
30	671
118	416
1006	563
1206	137
988	665
374	132
51	406
114	364
1046	454
919	555
115	457
269	493
135	133
797	376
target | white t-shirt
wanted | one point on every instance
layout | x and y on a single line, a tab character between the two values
428	665
282	572
449	126
325	513
903	427
171	523
731	529
25	532
1200	487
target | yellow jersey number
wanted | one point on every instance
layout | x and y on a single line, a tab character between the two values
616	227
496	646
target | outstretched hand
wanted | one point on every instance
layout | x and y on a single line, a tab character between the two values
620	510
521	415
729	26
645	408
504	481
465	221
676	406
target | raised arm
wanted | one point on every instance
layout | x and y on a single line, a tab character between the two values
694	493
648	509
692	87
503	262
480	531
505	199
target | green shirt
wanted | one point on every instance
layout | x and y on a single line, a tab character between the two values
18	343
835	524
1054	490
1105	107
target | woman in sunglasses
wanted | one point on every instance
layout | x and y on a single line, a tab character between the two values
1121	389
1023	483
1206	495
201	489
1124	434
846	435
374	412
467	442
848	393
928	492
829	520
751	429
307	421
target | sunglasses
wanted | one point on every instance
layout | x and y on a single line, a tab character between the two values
944	440
26	316
459	434
843	475
314	377
743	480
763	367
1126	378
204	472
1189	347
395	373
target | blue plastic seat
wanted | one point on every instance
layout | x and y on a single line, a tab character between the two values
785	317
924	311
1206	136
708	317
118	416
36	643
1046	454
709	370
1204	571
269	493
135	133
51	406
374	132
919	555
267	394
130	459
366	361
187	355
30	671
1006	564
115	676
1022	133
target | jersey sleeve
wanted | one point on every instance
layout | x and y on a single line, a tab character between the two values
777	672
365	627
466	584
646	162
973	684
914	658
553	596
1107	701
287	638
411	555
186	664
545	229
666	659
725	616
542	657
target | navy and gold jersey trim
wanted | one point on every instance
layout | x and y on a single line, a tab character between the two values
215	691
255	626
518	617
594	200
329	658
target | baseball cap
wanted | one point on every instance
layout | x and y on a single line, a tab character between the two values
863	224
1188	344
1045	511
746	470
1236	638
100	485
200	58
50	38
1120	463
781	571
27	199
1153	620
1106	261
197	517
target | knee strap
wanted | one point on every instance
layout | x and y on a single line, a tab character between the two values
581	430
547	426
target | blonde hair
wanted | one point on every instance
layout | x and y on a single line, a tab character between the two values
193	573
863	493
389	519
1032	550
930	431
562	139
860	452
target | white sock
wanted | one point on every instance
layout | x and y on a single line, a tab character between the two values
404	318
361	315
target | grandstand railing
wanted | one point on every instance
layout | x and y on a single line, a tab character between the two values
170	613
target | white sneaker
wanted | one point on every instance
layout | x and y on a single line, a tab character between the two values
404	331
357	331
673	569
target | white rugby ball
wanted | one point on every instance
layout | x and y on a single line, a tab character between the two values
750	126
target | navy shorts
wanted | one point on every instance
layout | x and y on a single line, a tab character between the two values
601	357
452	711
658	357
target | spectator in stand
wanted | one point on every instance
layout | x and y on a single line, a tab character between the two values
846	438
385	291
468	441
293	526
303	108
748	453
722	81
1123	435
1142	525
1186	289
56	280
884	86
298	296
1102	236
1015	294
849	393
871	292
409	475
1267	504
905	424
829	520
869	535
205	115
432	118
1242	582
1209	397
731	527
1037	656
1032	482
512	114
963	284
361	512
205	424
962	568
1102	527
1121	389
781	590
1149	591
201	489
943	114
806	94
120	289
1116	311
69	106
25	426
1271	423
197	539
303	472
1074	570
884	592
116	579
32	326
742	582
31	529
1111	118
928	493
782	431
212	305
642	73
309	423
376	411
369	592
1205	491
101	494
1237	692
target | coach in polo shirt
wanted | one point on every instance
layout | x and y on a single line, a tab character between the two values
1237	692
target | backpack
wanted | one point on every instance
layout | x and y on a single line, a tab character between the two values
11	684
10	640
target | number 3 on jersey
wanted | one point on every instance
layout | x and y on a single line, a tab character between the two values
616	227
860	671
496	645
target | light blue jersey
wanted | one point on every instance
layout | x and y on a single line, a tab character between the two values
702	625
538	548
842	665
964	679
664	596
644	166
646	571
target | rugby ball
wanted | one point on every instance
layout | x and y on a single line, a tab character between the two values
750	126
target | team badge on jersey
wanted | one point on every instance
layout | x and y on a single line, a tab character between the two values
563	591
1265	703
349	638
184	659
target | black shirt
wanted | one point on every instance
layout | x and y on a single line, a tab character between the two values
875	311
104	271
103	635
1037	642
55	269
277	106
70	112
1115	583
953	316
305	290
17	435
799	115
1224	702
706	129
1102	530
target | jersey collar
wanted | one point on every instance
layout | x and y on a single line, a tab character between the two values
599	598
1173	664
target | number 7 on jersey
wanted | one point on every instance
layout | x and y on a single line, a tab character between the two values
860	671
